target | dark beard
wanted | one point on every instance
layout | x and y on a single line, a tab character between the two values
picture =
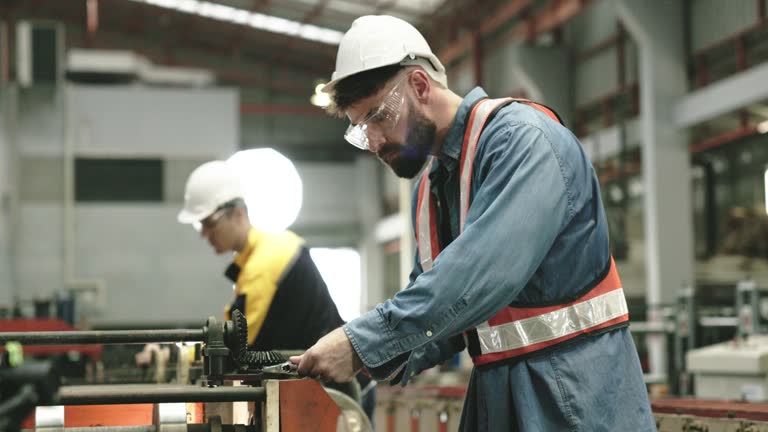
410	158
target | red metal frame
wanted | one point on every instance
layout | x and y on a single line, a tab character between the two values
599	47
712	408
606	103
737	40
318	412
311	15
92	17
415	423
391	418
457	48
5	59
722	139
280	109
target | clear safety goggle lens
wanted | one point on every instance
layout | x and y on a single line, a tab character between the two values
357	136
382	121
211	221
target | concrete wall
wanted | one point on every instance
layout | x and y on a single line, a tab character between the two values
6	264
597	75
154	270
330	214
498	78
288	131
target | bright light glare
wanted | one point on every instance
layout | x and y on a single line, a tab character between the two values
340	269
271	185
256	20
319	98
762	127
765	188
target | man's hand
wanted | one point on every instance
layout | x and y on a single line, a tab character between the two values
331	358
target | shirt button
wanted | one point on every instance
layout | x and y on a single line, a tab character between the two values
429	333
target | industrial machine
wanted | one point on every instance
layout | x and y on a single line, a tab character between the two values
735	369
240	390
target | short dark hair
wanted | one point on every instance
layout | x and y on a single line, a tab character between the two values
232	204
359	86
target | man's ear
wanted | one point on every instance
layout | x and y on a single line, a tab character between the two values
419	81
240	212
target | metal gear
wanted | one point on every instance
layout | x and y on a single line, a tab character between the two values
259	359
241	333
250	359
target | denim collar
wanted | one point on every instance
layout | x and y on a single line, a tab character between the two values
450	153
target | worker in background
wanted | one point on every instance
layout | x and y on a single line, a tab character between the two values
513	260
277	285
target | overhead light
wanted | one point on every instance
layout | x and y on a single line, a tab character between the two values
762	127
253	19
320	99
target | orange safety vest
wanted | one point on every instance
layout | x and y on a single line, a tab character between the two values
516	331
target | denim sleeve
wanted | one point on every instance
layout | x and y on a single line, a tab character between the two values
520	204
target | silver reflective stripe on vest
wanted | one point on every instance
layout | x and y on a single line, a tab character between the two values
552	325
485	108
423	237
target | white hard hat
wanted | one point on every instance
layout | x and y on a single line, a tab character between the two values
209	186
374	41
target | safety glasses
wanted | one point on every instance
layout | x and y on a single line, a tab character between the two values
211	221
379	122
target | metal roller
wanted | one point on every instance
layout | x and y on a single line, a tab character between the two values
139	393
104	337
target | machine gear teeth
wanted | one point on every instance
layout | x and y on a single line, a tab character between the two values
241	329
260	359
250	359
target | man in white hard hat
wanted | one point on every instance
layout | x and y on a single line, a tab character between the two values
277	285
513	259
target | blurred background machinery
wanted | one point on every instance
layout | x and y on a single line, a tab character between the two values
274	397
106	106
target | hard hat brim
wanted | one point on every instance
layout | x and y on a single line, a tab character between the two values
187	217
429	62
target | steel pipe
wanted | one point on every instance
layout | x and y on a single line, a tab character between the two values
142	393
201	427
147	428
103	337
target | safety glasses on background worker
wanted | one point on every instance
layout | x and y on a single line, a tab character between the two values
379	122
211	221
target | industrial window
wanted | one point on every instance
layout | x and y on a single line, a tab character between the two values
44	54
118	180
340	268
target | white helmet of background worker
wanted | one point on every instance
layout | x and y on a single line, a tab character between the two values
375	41
210	185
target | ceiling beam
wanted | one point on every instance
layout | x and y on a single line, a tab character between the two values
306	19
123	30
464	43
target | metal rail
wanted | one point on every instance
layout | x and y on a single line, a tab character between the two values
148	428
103	337
141	393
202	427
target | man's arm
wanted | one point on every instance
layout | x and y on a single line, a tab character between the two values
517	212
520	206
